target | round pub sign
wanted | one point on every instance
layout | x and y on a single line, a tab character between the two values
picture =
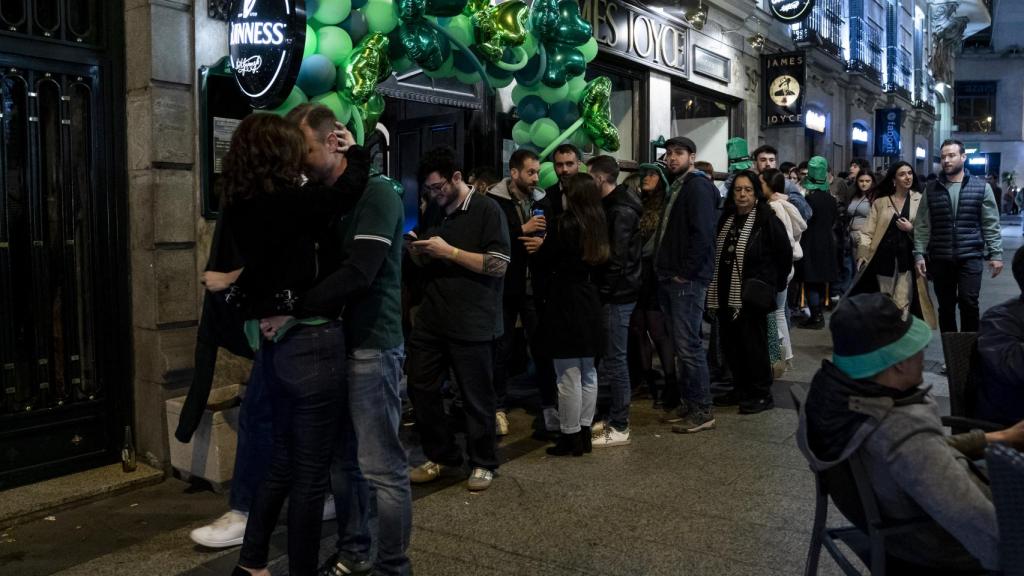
266	41
790	11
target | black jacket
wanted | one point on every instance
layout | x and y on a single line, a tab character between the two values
522	261
687	245
572	324
769	255
819	242
620	279
1001	349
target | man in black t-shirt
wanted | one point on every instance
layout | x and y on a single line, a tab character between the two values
462	244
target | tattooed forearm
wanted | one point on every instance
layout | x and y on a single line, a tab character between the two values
494	266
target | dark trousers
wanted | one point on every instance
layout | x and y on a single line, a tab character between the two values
957	282
815	295
255	441
514	307
648	334
745	346
430	356
306	373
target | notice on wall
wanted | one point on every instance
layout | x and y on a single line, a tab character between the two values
223	130
783	96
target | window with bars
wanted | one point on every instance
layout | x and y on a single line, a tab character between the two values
75	21
823	28
866	47
975	106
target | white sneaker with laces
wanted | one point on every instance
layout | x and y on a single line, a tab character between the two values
609	437
224	532
501	423
480	479
329	512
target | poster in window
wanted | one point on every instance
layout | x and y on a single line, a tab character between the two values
223	130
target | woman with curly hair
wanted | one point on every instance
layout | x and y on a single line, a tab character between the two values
275	222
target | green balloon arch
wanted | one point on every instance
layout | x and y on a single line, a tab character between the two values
542	49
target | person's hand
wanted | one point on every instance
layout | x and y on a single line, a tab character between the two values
904	225
535	224
922	269
270	326
996	266
435	247
345	138
1014	436
219	281
532	243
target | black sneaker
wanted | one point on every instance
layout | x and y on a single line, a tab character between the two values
698	420
677	415
756	406
341	565
730	398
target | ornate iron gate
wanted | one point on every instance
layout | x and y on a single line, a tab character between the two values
60	296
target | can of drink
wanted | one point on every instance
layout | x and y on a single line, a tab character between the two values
539	212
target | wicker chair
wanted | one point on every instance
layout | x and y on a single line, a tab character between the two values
1006	474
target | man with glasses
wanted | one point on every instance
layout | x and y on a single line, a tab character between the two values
957	227
462	244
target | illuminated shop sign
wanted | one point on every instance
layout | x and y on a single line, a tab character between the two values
783	96
790	11
266	41
815	121
636	34
859	135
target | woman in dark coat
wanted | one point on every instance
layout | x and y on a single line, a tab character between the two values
753	257
572	323
821	251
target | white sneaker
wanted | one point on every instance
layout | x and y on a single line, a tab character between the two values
551	421
609	436
597	428
501	423
329	511
224	532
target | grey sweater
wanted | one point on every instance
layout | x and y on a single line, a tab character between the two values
916	471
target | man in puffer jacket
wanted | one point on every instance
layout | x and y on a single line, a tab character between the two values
869	401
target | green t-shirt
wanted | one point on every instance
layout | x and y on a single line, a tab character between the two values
373	319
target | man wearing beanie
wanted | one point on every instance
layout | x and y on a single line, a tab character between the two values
869	401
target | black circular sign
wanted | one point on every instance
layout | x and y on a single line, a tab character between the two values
790	11
266	39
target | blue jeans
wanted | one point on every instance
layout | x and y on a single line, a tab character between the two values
306	376
683	305
255	437
614	367
577	393
370	461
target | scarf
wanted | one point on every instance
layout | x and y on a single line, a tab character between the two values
736	282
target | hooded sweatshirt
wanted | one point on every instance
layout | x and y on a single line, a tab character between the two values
915	470
521	274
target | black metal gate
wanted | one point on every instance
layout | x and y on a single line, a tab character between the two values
63	384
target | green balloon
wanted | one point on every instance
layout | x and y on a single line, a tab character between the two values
576	87
519	92
402	65
530	45
380	16
543	132
580	139
461	28
332	12
333	100
311	42
552	95
548	176
589	49
521	133
467	78
500	82
583	167
295	98
447	70
334	43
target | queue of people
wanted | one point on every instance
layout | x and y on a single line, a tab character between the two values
603	273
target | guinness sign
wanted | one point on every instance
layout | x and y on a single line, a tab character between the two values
783	100
790	11
638	35
266	41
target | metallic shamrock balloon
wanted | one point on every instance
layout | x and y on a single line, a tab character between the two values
474	6
564	62
559	21
427	46
371	112
596	112
499	27
365	67
412	10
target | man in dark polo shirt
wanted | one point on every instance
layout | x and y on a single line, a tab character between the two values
464	248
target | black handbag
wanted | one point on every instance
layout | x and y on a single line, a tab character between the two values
758	294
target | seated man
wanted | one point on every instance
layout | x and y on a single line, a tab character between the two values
869	401
1001	348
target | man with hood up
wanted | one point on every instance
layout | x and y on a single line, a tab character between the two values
869	401
619	285
518	196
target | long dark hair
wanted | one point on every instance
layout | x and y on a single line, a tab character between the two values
584	198
265	158
887	187
730	201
